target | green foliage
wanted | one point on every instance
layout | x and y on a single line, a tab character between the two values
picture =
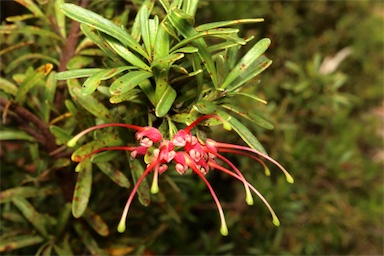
157	63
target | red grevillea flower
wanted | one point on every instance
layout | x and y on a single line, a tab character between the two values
192	154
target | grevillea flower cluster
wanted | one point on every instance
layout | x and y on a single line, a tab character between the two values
186	151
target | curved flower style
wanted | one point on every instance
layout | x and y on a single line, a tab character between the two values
199	156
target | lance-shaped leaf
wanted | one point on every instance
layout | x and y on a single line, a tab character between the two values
25	192
90	85
8	87
32	30
49	95
108	139
220	24
244	133
28	56
100	23
82	188
60	18
87	239
29	212
32	7
76	73
15	135
148	90
229	44
212	32
161	46
143	14
167	61
251	117
88	102
96	222
254	53
182	22
20	241
126	54
165	95
127	96
31	80
249	95
128	81
99	39
63	218
143	191
205	107
115	175
62	136
258	66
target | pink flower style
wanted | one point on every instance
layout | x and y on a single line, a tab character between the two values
199	156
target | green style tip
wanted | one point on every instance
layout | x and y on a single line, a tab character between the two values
121	227
71	143
276	221
249	199
224	230
290	179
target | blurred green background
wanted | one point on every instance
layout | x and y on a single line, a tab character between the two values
325	98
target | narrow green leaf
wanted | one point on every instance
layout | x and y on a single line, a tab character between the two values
62	136
221	68
254	97
219	24
188	49
167	60
212	32
79	61
92	82
143	191
251	117
28	30
228	44
128	81
21	17
165	95
15	135
96	222
190	7
32	7
126	54
8	86
100	23
87	239
60	18
21	241
82	188
29	212
161	46
244	133
108	139
63	218
126	96
148	90
104	156
25	192
143	14
166	101
88	102
49	95
254	53
99	39
31	80
77	73
258	66
182	22
28	56
205	107
115	175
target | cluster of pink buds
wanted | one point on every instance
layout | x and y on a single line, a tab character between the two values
187	152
